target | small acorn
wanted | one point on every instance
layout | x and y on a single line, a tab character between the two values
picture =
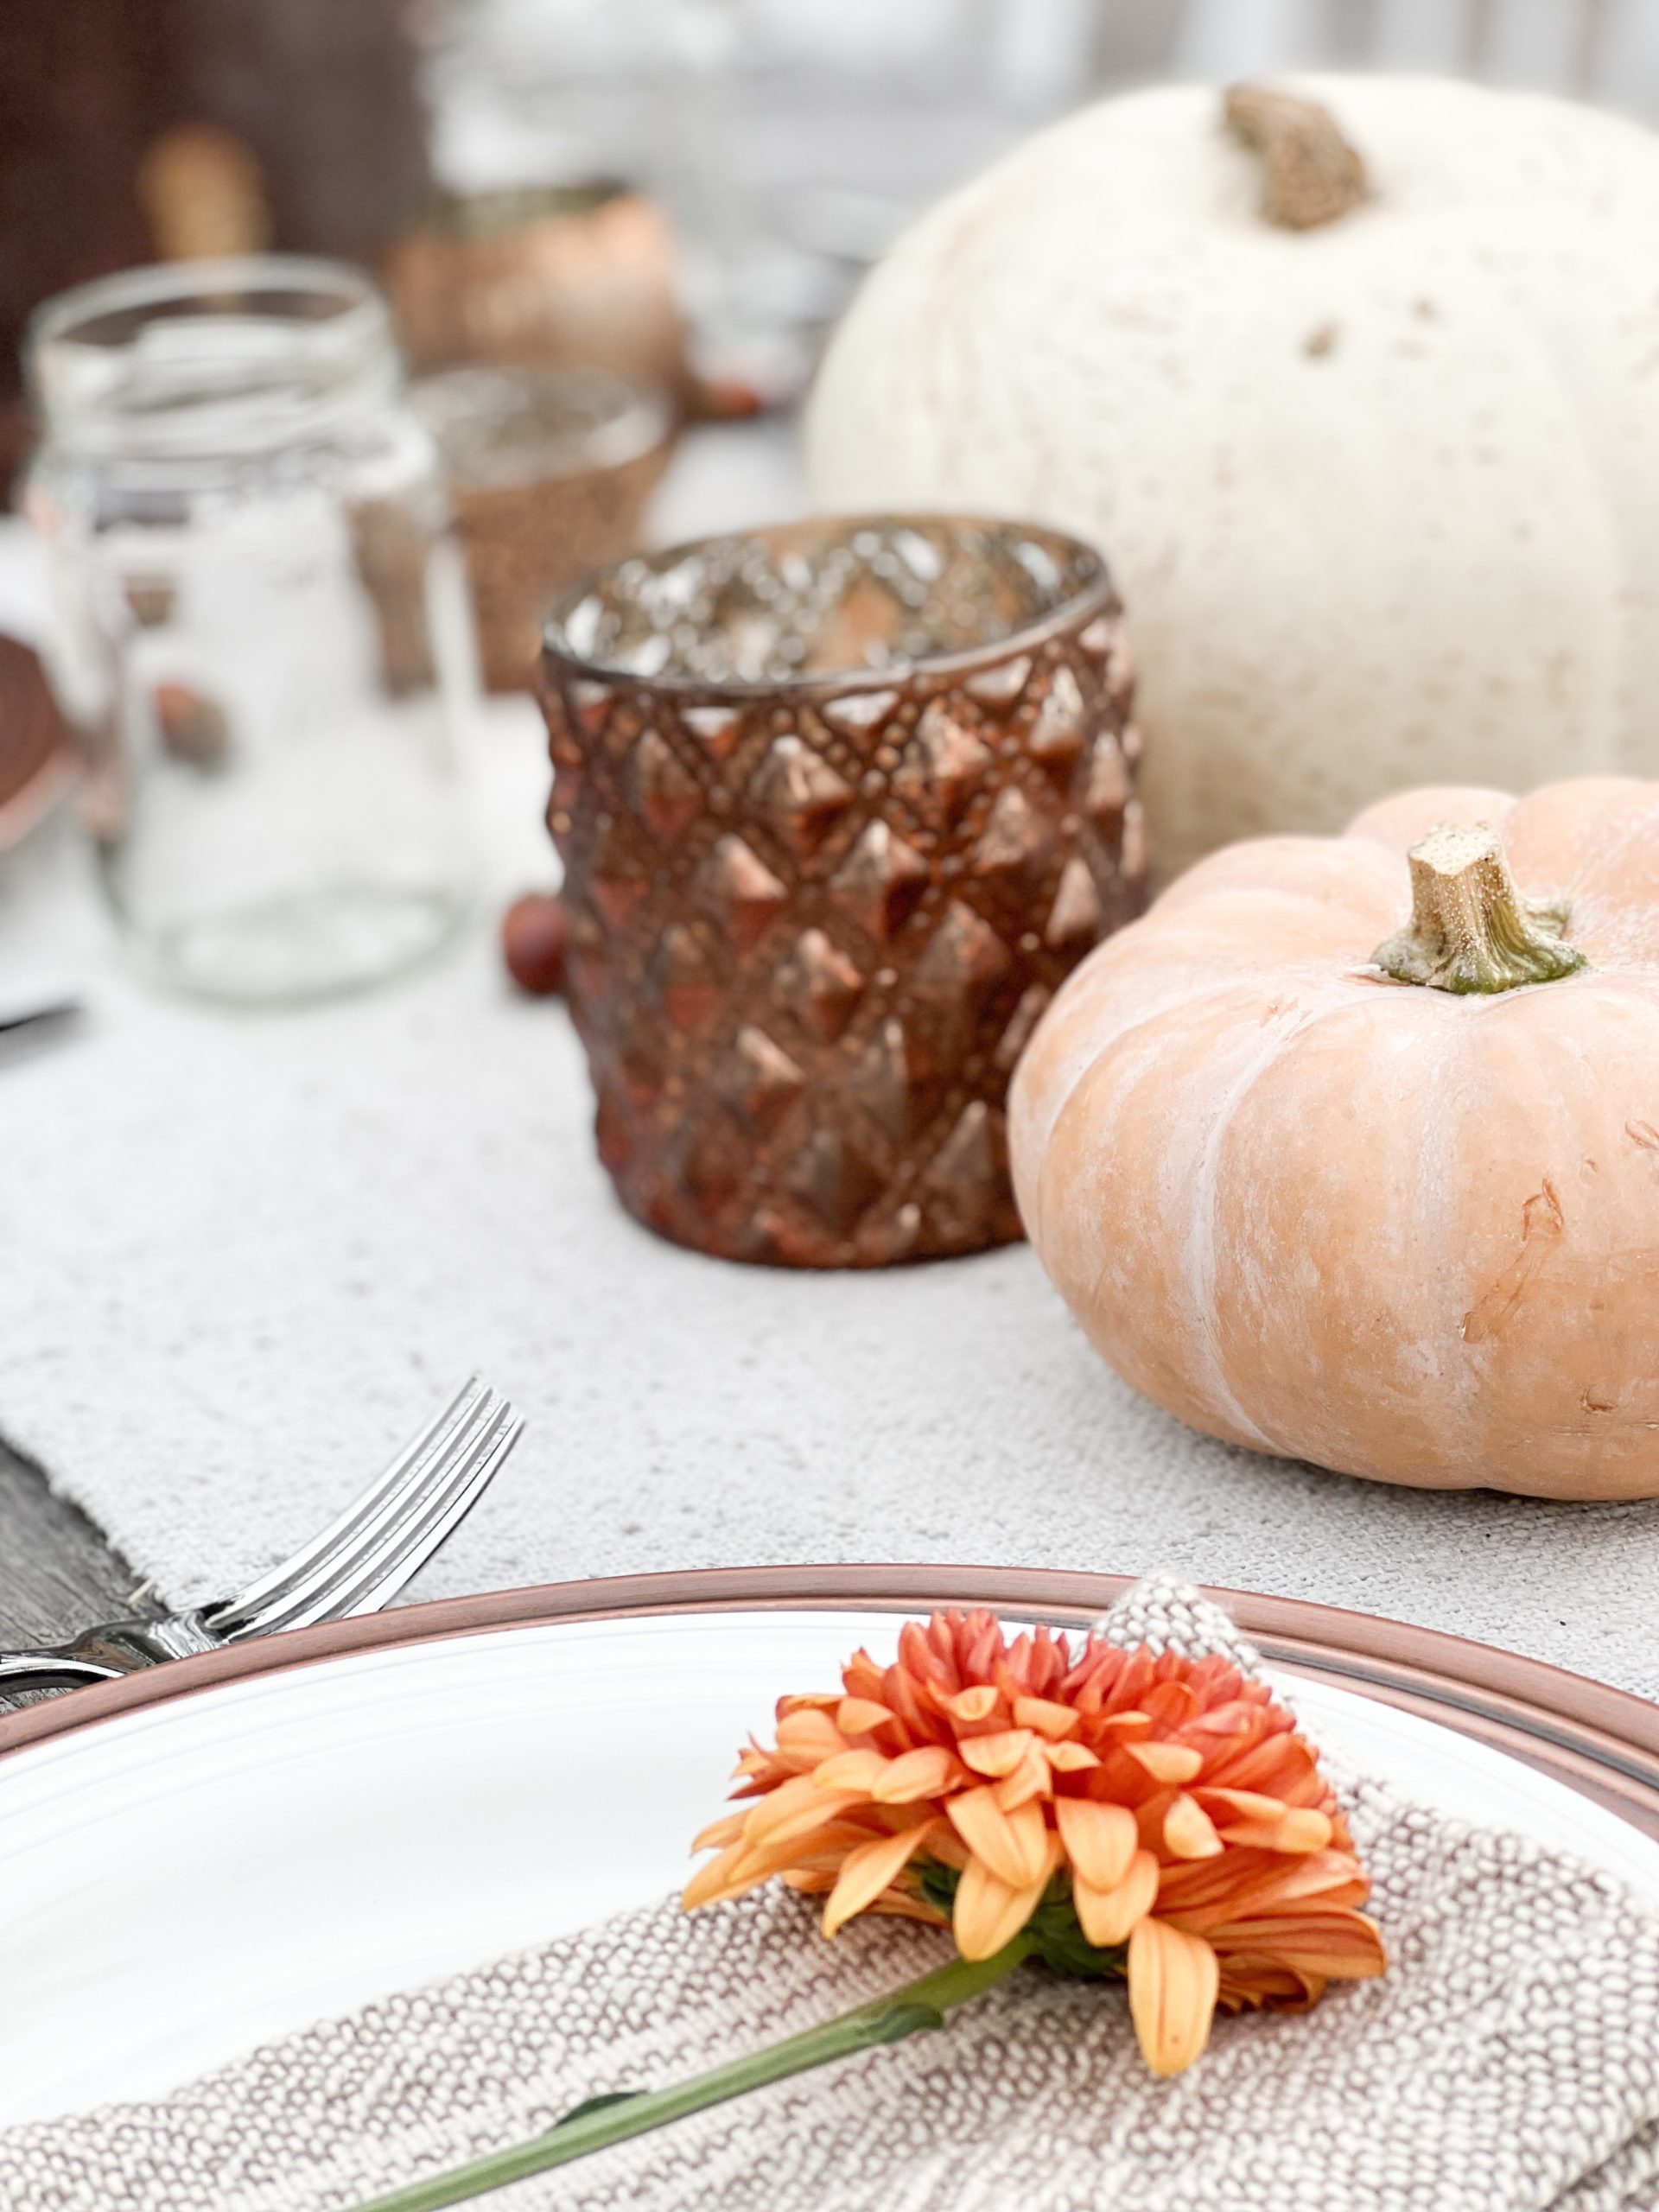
194	727
534	931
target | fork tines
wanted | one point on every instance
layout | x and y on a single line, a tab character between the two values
366	1557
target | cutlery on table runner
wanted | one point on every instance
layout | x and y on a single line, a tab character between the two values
358	1564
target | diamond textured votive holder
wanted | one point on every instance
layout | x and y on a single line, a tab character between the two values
841	804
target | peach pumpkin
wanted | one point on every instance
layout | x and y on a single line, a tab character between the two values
1356	1158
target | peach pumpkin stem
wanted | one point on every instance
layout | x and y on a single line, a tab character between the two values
1310	174
1470	931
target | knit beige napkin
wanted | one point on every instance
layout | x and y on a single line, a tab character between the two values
1508	2062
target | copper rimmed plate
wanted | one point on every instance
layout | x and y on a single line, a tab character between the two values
232	1847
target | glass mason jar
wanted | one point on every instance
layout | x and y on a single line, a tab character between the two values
261	623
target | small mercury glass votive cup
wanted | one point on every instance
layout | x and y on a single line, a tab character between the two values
841	804
548	472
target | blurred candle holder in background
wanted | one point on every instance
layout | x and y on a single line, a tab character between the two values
787	142
262	628
582	273
549	472
841	804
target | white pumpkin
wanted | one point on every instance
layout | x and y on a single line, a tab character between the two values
1381	493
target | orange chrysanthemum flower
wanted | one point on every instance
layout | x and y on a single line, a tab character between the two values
1127	1812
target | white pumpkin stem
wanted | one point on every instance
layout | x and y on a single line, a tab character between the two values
1310	174
1470	931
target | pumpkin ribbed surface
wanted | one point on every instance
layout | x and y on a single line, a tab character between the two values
1399	1231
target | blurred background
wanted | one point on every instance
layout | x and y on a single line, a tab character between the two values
609	238
613	234
750	155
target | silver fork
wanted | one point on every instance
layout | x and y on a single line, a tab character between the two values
356	1565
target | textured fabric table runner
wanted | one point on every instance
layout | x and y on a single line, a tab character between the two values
1509	2061
241	1258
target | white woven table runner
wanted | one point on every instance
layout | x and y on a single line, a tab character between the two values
241	1258
1509	2061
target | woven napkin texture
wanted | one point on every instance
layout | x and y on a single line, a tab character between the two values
1509	2061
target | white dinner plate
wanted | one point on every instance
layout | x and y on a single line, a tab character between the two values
187	1878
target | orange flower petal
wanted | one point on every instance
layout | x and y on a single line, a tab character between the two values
792	1809
1207	1894
743	1867
1305	1827
1012	1845
720	1834
712	1881
1238	1804
1236	1723
1298	1828
998	1754
1134	1679
948	1847
1070	1758
857	1716
1048	1719
856	1769
1281	1764
1341	1946
972	1706
1099	1839
898	1904
1107	1916
1130	1722
867	1872
1170	1703
1189	1832
922	1773
1174	1983
1254	1982
820	1851
1032	1778
823	1850
989	1913
807	1737
1038	1844
1168	1762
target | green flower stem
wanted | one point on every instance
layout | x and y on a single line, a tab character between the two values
920	2005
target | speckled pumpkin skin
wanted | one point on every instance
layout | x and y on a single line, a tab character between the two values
1382	497
1400	1233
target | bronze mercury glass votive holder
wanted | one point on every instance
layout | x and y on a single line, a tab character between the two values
841	804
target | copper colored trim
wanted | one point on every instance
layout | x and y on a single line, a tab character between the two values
1602	1741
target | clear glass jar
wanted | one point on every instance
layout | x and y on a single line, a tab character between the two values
261	627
